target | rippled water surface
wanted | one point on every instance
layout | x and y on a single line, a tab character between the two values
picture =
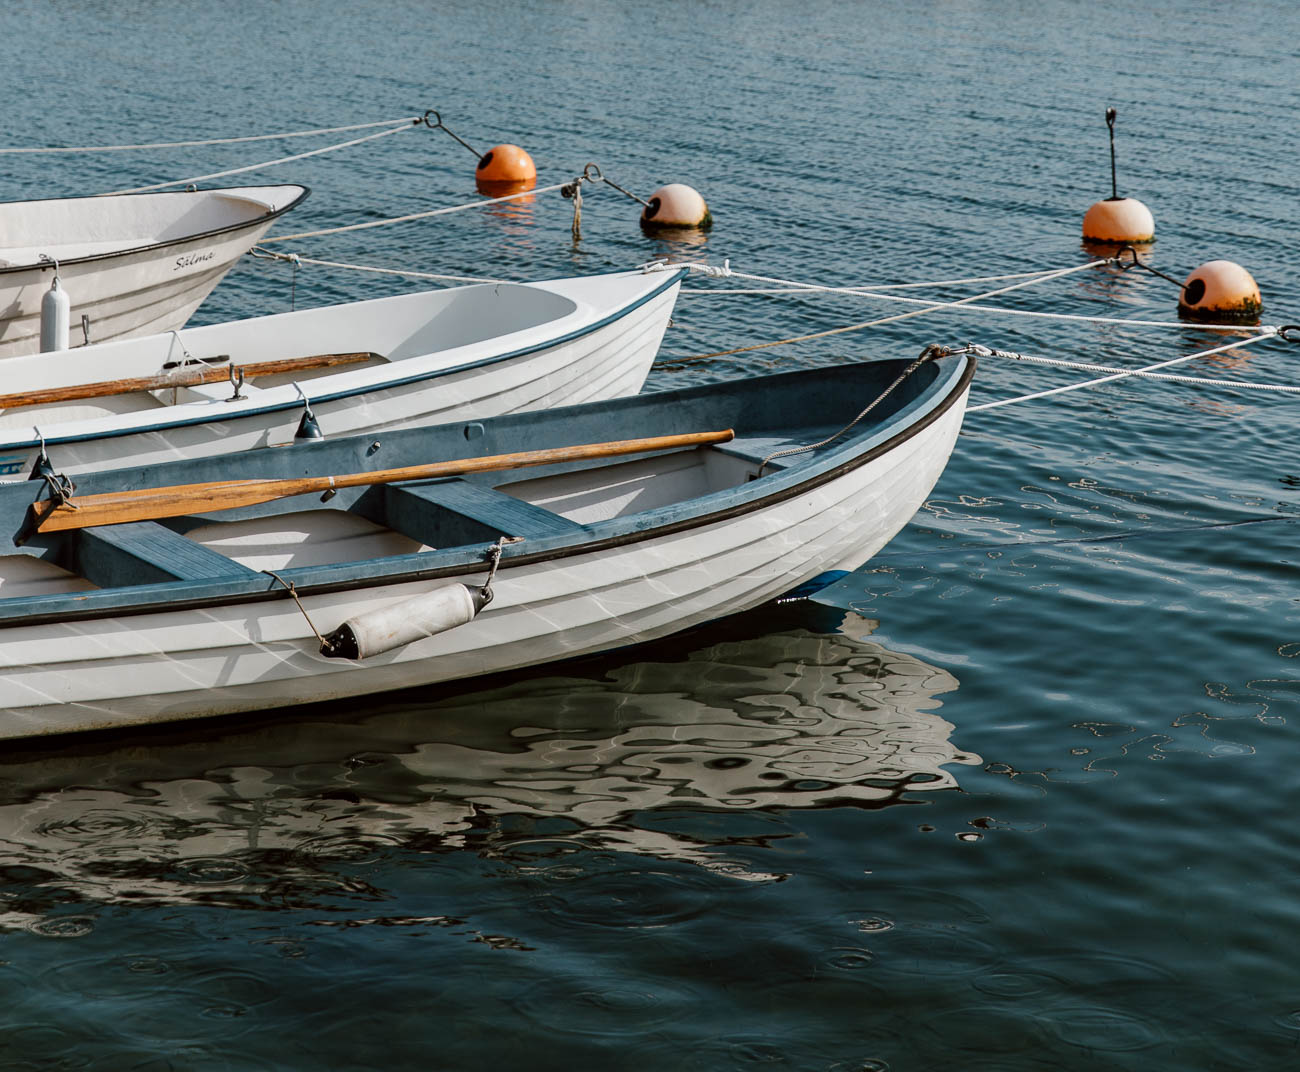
1018	795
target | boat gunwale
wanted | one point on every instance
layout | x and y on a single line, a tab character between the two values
787	484
267	217
52	438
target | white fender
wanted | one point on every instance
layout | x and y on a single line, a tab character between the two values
399	624
56	310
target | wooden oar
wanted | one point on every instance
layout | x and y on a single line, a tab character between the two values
116	507
183	377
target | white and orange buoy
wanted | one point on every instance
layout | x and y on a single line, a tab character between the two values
1118	220
1220	292
505	169
676	205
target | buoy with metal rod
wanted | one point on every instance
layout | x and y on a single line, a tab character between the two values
503	169
676	205
56	312
1117	220
1220	292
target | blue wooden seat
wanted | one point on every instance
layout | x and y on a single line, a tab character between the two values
145	552
756	448
445	513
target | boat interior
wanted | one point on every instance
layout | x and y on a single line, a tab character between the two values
122	223
159	372
358	533
380	521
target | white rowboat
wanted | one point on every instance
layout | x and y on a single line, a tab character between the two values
131	264
180	611
457	353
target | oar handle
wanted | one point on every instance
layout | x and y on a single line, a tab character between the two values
146	504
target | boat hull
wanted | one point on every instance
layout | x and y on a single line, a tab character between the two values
602	346
149	286
121	671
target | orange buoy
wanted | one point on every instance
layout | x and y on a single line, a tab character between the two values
676	205
1220	292
505	169
1119	221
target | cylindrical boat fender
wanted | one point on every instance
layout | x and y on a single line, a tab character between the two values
377	631
56	311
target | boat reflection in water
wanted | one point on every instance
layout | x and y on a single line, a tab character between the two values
740	717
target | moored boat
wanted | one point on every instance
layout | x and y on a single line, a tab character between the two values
456	353
130	264
358	565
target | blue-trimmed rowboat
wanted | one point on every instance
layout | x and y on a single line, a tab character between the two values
455	353
129	264
345	573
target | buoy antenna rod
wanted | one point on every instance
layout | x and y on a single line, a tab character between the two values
1110	122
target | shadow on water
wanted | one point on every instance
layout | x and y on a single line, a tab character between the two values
755	715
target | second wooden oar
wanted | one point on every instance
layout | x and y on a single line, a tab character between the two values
182	377
145	504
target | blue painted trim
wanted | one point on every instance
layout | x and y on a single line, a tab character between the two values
815	585
317	400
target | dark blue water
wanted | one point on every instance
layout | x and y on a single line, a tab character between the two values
1019	795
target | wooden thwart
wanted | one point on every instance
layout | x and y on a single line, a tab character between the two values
183	377
116	507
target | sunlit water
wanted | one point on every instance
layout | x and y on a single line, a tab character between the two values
1018	795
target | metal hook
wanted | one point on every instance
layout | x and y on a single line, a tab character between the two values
237	382
439	126
1134	263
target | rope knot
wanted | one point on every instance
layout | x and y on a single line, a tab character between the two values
713	271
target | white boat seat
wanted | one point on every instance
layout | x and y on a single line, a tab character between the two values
145	552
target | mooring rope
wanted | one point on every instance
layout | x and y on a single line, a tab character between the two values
790	286
1120	374
1042	277
414	215
295	259
852	291
294	592
211	141
1167	377
930	353
263	164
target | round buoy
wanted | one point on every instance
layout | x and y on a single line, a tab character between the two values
1220	292
505	169
676	205
1119	221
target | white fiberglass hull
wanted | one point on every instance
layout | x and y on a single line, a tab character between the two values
588	338
162	666
130	269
